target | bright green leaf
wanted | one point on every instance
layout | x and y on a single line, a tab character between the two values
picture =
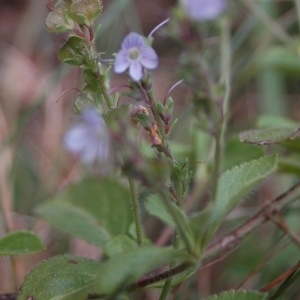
239	295
20	243
234	185
65	277
124	269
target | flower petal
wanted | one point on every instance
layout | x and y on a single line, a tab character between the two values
135	70
89	139
76	138
202	10
133	40
121	61
149	58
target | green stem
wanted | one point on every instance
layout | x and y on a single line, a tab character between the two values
104	91
168	282
176	241
225	81
136	211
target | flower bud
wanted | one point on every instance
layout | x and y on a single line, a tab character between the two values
139	114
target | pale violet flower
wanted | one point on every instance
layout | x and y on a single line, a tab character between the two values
202	10
89	139
135	54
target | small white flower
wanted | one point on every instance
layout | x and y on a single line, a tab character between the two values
89	139
202	10
135	54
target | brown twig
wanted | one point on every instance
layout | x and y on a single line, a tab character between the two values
281	223
280	278
232	239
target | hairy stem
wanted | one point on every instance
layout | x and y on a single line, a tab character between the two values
225	80
136	211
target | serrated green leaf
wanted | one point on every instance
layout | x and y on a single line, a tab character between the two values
75	52
122	270
270	136
119	244
234	185
239	295
104	206
64	277
20	243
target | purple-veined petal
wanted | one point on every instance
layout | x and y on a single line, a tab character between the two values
133	40
149	58
121	62
135	70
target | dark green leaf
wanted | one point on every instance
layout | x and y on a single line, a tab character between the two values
104	205
270	136
65	277
20	243
74	221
